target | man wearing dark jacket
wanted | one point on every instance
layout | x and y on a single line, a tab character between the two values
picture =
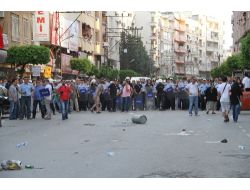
236	92
211	98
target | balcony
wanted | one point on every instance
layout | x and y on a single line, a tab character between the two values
180	70
179	28
180	39
153	23
180	50
211	49
179	60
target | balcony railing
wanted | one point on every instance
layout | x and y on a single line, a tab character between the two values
180	60
180	28
180	50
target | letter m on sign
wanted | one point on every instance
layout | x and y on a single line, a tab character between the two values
40	20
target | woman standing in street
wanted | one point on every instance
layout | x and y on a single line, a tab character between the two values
236	92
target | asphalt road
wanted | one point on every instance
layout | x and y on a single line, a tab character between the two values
171	144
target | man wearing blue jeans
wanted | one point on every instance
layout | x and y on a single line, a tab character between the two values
193	92
13	98
26	89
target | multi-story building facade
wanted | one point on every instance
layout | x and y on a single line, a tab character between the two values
15	29
182	44
180	40
212	43
241	25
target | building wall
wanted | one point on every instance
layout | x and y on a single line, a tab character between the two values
23	35
241	25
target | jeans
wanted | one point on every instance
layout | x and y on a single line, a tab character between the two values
48	109
236	111
64	108
125	103
25	107
35	103
13	109
193	100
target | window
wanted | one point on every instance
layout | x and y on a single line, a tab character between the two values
26	28
15	27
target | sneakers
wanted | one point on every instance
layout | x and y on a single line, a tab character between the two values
207	112
213	112
190	114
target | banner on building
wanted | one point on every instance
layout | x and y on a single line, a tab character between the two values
36	70
65	61
41	26
69	34
67	37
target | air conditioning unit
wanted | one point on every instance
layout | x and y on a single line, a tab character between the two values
1	14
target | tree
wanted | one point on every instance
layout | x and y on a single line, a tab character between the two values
245	51
93	71
235	62
81	65
133	55
127	73
108	72
216	72
27	54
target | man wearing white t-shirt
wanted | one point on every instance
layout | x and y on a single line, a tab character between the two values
193	96
224	93
246	82
48	99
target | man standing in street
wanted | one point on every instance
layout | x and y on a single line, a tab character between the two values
246	82
26	89
47	99
13	98
224	90
193	92
37	99
64	93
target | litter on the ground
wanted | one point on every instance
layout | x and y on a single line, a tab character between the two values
11	164
224	141
139	119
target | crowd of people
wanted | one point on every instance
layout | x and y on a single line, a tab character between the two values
47	97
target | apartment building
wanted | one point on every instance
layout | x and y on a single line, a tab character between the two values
80	35
15	29
181	43
241	25
193	47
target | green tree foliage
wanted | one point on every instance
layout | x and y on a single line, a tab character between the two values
245	51
93	71
27	54
235	62
108	72
216	72
133	55
81	65
127	73
232	63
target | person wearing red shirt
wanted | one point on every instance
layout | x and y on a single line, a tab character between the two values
64	94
